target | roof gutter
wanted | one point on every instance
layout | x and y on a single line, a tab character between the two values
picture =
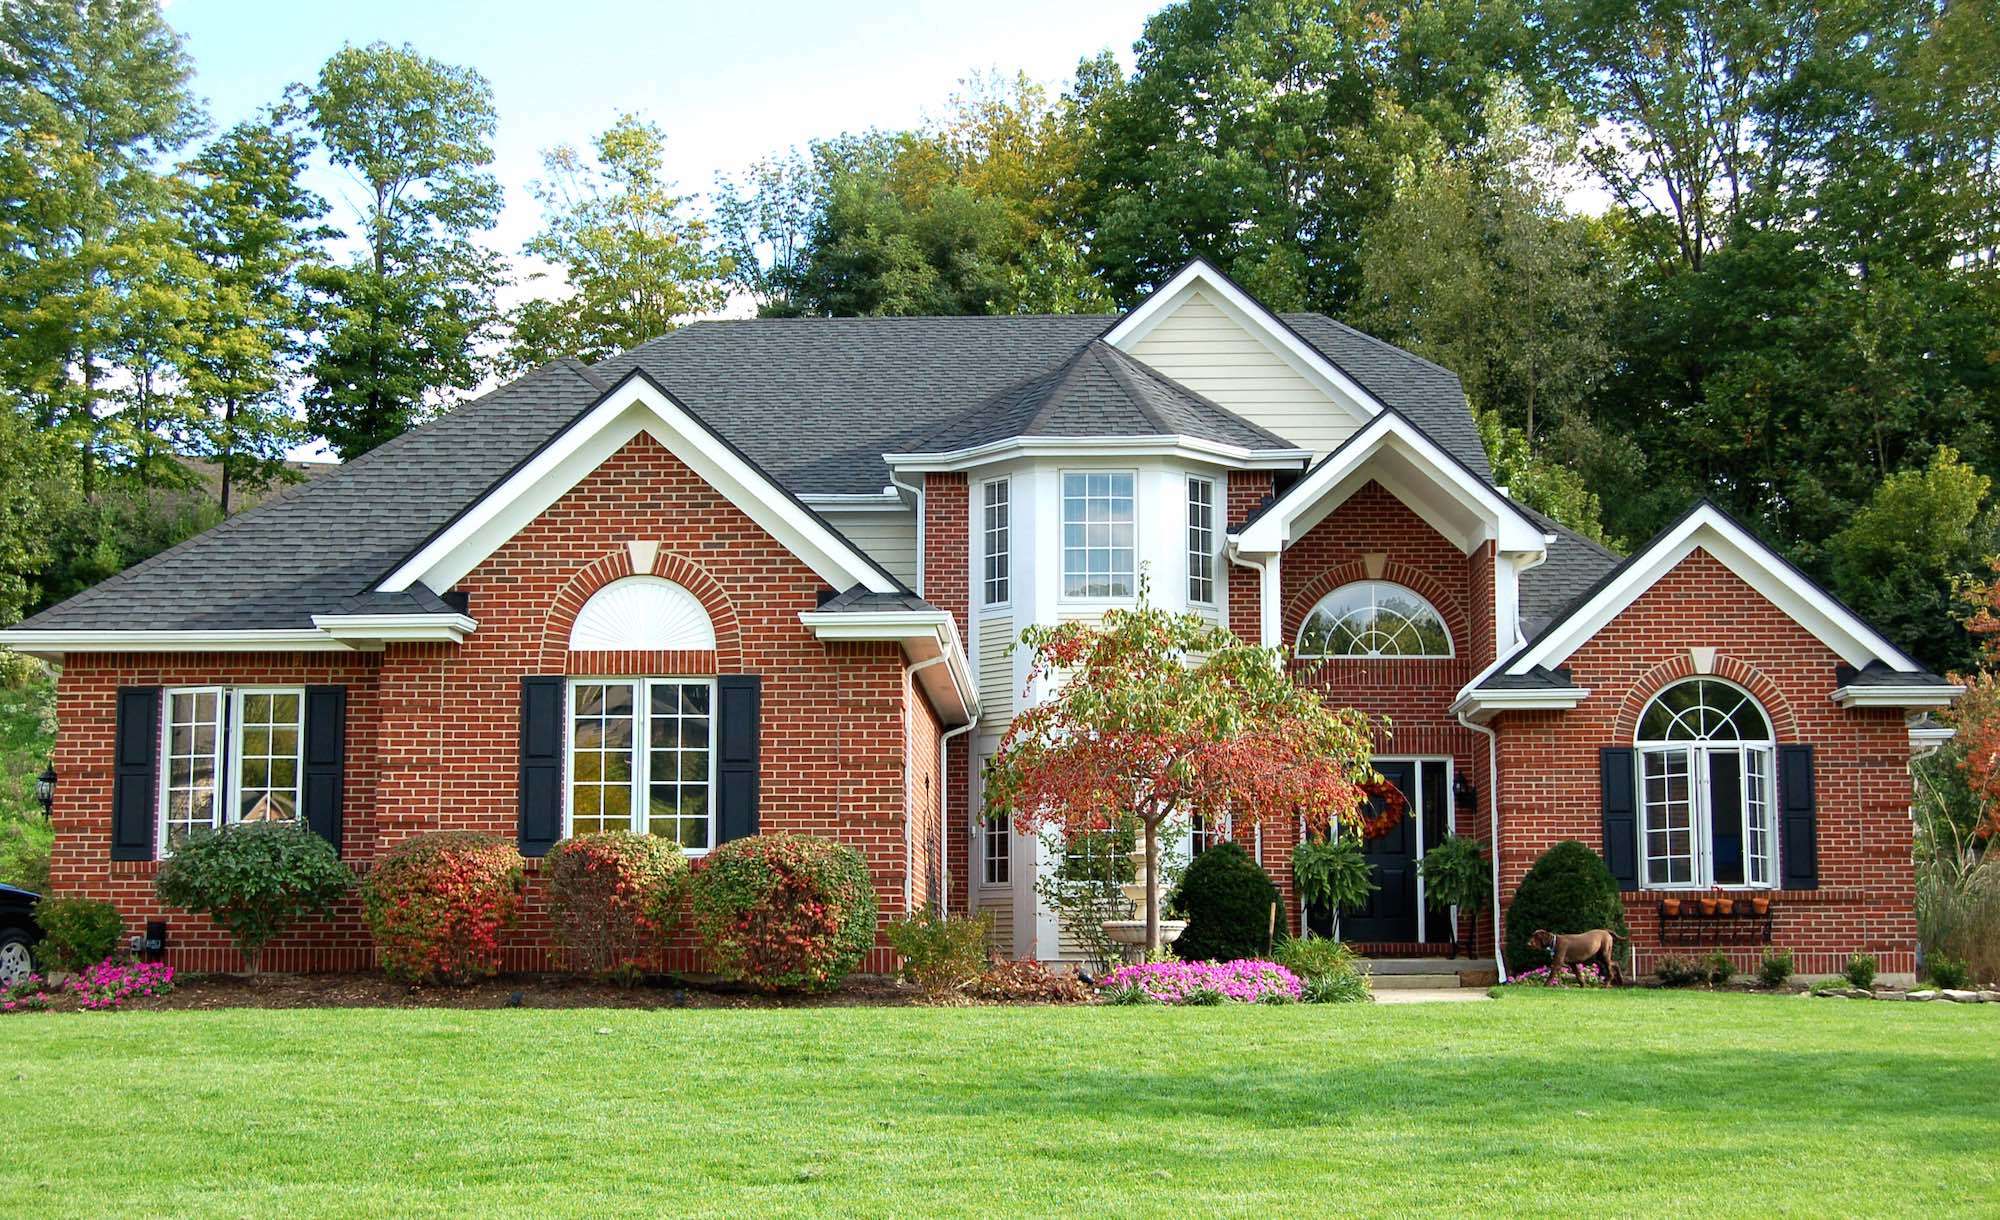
1100	446
923	634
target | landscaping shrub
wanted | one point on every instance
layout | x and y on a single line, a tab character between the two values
1027	981
1227	902
613	897
1246	981
1673	970
1776	967
255	879
1567	890
1718	968
941	953
1861	970
1348	988
785	910
1947	971
436	905
77	932
24	853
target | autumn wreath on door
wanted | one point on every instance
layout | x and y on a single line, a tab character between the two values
1383	808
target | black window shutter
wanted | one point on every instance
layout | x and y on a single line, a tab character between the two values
135	772
1798	826
740	699
541	763
326	761
1617	781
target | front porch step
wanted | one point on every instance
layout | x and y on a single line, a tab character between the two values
1428	973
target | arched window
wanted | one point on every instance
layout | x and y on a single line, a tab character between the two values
641	613
1373	618
1707	759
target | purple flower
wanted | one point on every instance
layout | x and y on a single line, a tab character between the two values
1246	980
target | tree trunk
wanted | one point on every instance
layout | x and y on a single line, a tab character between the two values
228	448
1152	880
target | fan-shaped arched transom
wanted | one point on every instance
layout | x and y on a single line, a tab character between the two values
1373	618
642	613
1704	709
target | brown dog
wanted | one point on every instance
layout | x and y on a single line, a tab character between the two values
1575	949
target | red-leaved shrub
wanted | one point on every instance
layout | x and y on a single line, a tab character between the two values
785	910
437	904
613	897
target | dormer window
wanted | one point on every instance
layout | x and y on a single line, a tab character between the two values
1100	535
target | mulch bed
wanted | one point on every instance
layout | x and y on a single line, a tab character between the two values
207	991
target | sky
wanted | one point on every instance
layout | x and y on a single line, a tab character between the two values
728	82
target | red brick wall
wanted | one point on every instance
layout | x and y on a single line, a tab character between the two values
947	584
1248	489
1549	764
1413	694
433	728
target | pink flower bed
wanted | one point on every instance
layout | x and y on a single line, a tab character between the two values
109	984
1549	976
1247	980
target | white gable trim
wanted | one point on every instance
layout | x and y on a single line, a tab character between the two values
1164	445
1708	528
636	405
370	631
1298	509
1252	315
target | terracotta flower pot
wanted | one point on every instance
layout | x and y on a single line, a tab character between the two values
1745	906
1670	906
1760	906
1707	905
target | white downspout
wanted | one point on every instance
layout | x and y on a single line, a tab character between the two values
1493	801
944	816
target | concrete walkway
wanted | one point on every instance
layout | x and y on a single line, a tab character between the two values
1432	995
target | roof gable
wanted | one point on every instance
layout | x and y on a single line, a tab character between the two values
636	404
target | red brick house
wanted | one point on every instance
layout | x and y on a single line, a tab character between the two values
763	575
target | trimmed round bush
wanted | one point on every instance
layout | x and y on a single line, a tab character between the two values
613	897
255	879
437	904
782	911
77	933
1568	890
1227	901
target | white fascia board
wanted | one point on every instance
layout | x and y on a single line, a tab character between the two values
1483	705
1930	735
856	502
1509	527
1164	445
1253	316
58	643
1929	695
1706	528
635	405
371	631
923	634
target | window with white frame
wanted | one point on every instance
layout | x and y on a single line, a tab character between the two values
1201	539
229	754
642	758
995	852
1100	534
996	528
1373	618
1707	761
1204	834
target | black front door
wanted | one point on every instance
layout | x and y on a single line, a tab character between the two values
1391	911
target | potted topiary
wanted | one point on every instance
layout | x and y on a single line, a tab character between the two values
1457	873
1333	873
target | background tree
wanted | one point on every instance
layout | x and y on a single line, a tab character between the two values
93	97
253	225
401	323
635	263
1138	733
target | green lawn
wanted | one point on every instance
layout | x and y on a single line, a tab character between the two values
1619	1104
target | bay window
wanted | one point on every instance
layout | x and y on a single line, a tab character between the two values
996	529
642	758
1707	761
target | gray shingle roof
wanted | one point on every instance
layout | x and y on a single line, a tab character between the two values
1538	678
815	401
1875	673
1099	391
1574	566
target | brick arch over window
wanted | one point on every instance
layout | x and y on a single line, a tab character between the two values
1422	583
1784	722
617	565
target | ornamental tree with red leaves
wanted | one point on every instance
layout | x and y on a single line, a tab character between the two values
1977	716
1152	718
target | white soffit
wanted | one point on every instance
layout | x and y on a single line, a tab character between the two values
635	405
1708	529
1254	317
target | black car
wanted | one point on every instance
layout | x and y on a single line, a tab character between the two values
18	934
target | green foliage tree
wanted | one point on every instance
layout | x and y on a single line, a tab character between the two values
1905	555
252	224
400	325
635	263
